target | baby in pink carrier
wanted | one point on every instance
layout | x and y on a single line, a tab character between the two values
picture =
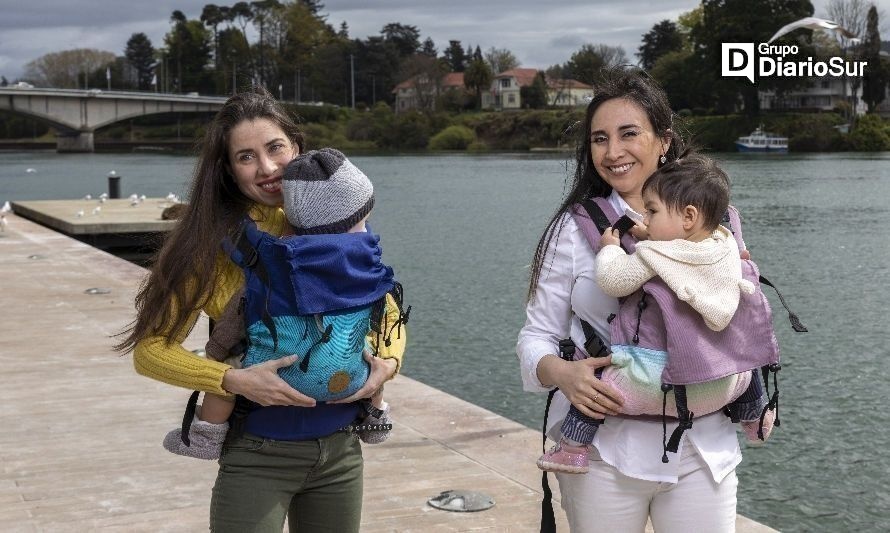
714	330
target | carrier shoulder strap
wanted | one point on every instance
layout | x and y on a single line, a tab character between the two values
250	261
595	212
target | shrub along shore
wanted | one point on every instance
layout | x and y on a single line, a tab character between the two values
379	129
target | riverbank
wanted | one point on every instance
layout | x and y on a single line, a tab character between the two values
81	449
379	129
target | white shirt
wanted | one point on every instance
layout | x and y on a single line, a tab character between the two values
568	283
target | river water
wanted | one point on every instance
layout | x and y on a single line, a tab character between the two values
460	231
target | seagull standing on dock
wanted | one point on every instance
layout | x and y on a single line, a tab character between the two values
3	223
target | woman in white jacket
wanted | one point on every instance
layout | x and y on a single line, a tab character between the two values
627	135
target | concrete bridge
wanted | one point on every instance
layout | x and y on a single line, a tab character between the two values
76	114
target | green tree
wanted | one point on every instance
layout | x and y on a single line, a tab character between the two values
141	55
241	13
405	38
213	16
478	77
663	38
188	45
378	69
585	64
455	56
303	33
874	84
234	53
69	69
429	48
262	12
535	95
739	21
870	134
679	75
500	59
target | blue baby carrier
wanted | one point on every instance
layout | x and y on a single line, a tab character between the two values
315	296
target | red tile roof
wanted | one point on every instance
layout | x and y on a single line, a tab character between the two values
524	76
453	80
450	80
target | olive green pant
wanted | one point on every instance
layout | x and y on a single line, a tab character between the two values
317	484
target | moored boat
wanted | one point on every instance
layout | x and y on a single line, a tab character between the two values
762	141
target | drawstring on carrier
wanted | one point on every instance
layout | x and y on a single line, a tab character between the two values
683	414
665	388
641	305
773	403
325	337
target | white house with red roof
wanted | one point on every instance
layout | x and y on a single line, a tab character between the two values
505	92
568	93
505	88
421	92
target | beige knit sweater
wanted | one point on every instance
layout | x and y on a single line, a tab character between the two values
707	274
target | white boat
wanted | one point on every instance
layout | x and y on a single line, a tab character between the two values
762	141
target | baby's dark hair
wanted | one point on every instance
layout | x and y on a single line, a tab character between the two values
692	179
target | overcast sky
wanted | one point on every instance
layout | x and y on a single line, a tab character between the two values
540	33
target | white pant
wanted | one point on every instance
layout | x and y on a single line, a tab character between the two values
605	500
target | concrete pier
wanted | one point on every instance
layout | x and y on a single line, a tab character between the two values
80	449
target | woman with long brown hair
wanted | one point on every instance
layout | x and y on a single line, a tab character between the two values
310	472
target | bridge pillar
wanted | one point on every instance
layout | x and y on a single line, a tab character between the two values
79	141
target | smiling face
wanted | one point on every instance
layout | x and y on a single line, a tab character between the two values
624	147
258	153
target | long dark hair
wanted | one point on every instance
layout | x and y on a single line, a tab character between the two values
617	82
182	277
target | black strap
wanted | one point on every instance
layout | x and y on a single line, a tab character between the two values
685	417
548	519
593	344
599	218
796	325
187	418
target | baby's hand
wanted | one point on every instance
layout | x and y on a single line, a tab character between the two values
610	236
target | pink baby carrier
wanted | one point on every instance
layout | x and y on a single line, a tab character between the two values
655	325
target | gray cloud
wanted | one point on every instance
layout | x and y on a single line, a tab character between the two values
538	33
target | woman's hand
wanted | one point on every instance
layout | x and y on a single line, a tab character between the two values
262	384
577	381
381	371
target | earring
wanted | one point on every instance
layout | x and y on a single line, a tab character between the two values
663	159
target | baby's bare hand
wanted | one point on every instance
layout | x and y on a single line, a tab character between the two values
610	236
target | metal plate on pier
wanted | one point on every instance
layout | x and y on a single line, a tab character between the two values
463	501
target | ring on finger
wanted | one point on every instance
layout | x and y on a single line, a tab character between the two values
596	397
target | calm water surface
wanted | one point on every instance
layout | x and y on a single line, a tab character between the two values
460	231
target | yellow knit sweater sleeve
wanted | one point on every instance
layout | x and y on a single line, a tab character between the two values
162	357
398	336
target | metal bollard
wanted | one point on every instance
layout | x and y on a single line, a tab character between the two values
114	185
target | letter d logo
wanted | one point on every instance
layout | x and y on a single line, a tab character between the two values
738	60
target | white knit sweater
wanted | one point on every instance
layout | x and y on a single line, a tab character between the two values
707	274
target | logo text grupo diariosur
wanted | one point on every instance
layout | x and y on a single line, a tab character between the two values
779	61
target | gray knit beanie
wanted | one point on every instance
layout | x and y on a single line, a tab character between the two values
325	193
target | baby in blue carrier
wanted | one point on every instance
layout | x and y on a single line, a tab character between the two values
313	293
